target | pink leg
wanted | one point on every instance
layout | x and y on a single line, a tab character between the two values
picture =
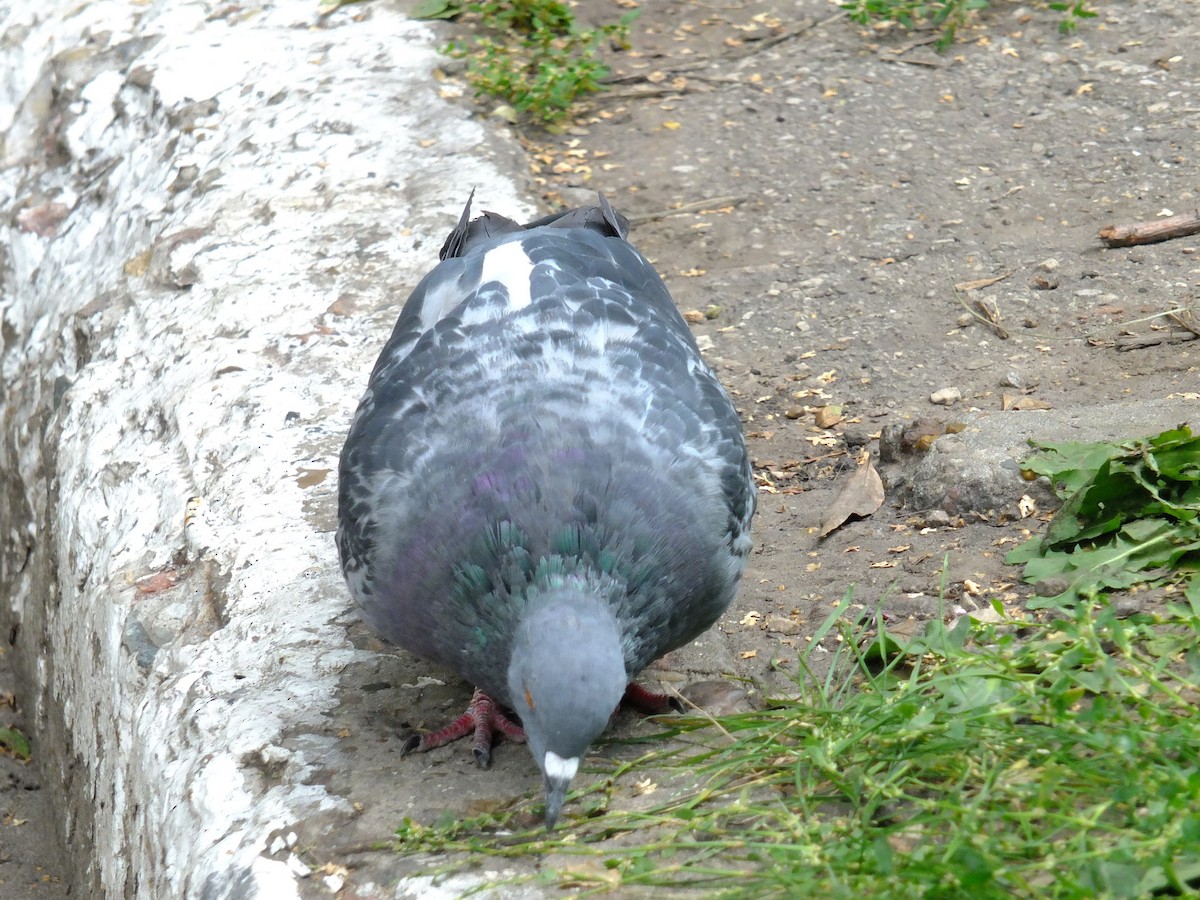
482	719
648	702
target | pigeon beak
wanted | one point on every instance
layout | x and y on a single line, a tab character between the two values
556	792
559	773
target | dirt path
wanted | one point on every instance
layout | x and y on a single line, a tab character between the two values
31	862
862	185
838	203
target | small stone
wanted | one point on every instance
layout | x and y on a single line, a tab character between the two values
793	412
935	518
945	396
856	438
783	624
1048	265
717	697
1051	587
1129	605
505	113
1012	379
964	320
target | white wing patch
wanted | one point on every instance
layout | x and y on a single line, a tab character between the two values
442	297
512	267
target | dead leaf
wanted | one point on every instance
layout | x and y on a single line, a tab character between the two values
980	282
156	582
43	220
828	416
1012	401
861	495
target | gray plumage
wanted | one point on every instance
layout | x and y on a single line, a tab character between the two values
545	488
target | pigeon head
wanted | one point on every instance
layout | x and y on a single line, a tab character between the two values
566	677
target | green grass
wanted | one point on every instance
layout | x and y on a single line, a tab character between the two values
1020	759
14	742
948	15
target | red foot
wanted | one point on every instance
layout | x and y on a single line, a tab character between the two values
483	718
648	702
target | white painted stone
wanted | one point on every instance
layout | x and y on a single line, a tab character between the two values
315	202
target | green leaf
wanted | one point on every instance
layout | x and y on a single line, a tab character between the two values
15	743
437	9
1131	557
1070	466
1131	515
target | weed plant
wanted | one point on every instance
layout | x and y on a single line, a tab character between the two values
532	54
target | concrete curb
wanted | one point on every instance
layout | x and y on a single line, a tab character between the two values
216	212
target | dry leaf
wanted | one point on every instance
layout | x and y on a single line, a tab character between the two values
828	416
861	495
1008	401
43	220
980	282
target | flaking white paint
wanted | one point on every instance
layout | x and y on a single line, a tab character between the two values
325	171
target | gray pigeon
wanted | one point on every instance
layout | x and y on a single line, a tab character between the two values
544	488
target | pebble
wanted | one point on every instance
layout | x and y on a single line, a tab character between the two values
945	396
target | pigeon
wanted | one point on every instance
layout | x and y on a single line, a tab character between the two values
545	487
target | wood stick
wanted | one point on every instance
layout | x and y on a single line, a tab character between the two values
1181	225
1153	339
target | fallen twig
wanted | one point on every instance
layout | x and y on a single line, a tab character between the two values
714	202
1187	321
980	282
1126	342
1181	225
988	313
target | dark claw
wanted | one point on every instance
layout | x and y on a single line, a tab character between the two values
411	744
675	703
483	757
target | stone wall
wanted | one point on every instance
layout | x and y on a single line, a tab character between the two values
213	214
